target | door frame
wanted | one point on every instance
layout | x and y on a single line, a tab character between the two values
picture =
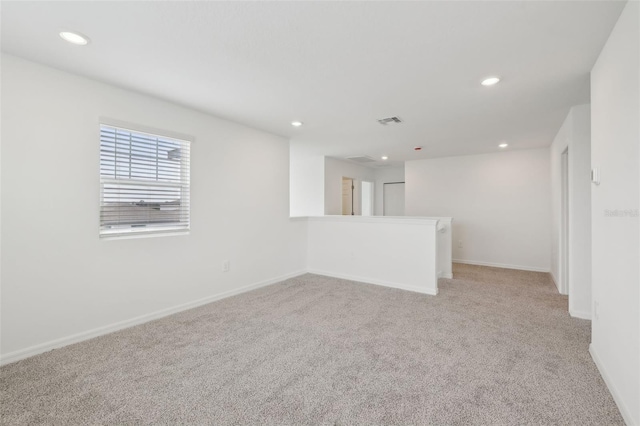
353	183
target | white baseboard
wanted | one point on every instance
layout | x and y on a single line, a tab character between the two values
375	282
89	334
443	275
624	410
502	265
580	314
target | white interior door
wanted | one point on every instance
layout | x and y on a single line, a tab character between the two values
393	199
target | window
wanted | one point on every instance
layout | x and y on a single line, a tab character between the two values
144	182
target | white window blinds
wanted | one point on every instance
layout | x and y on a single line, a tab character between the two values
144	182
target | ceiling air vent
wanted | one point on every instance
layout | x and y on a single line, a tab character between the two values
364	159
385	121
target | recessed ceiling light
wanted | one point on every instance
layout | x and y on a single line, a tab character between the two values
296	123
503	145
490	81
74	38
384	157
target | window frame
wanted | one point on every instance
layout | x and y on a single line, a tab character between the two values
184	184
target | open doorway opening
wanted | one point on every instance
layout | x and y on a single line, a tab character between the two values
564	224
367	198
347	196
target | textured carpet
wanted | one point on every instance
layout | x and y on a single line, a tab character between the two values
494	347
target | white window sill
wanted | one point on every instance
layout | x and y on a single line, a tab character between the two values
150	234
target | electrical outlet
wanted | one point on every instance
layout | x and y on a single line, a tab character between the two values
226	265
459	243
596	309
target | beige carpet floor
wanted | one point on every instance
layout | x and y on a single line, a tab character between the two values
495	346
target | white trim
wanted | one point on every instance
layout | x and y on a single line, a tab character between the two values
144	234
443	275
375	282
580	314
139	128
89	334
624	410
404	220
502	265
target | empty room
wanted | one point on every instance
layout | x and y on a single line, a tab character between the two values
320	212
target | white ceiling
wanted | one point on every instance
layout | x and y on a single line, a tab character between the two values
340	66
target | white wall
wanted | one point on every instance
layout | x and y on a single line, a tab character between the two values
306	185
395	252
385	175
500	204
615	142
334	171
59	280
574	134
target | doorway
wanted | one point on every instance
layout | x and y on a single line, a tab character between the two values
564	223
347	196
393	199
